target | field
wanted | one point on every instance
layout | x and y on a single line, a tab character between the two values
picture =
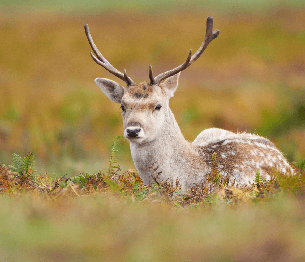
251	78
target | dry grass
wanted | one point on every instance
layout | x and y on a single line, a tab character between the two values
113	217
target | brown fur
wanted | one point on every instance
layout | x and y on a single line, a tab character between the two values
142	90
238	157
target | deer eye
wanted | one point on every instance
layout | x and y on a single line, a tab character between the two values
123	108
158	107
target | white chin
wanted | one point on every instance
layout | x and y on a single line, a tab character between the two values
135	139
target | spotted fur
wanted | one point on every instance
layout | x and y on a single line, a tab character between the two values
241	156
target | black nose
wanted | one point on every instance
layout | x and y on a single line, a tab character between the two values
133	132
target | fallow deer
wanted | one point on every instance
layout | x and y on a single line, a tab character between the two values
158	148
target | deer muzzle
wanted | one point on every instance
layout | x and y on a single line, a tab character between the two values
133	132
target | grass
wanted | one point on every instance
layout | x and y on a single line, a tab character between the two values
114	217
111	229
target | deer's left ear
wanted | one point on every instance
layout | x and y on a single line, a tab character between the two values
111	89
171	84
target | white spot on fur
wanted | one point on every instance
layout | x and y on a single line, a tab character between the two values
269	164
223	155
223	173
261	154
262	145
226	142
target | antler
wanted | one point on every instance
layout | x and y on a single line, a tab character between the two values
104	63
209	36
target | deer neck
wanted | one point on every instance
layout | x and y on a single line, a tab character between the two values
165	158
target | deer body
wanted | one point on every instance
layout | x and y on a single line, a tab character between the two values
238	158
158	148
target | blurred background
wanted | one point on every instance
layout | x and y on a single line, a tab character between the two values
251	78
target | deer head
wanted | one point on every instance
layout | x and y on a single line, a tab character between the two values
145	107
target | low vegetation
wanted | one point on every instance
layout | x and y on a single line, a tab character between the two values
113	216
20	176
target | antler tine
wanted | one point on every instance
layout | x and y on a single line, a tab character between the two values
209	36
152	80
128	80
103	62
176	70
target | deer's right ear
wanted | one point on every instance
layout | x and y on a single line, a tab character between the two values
111	89
171	84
